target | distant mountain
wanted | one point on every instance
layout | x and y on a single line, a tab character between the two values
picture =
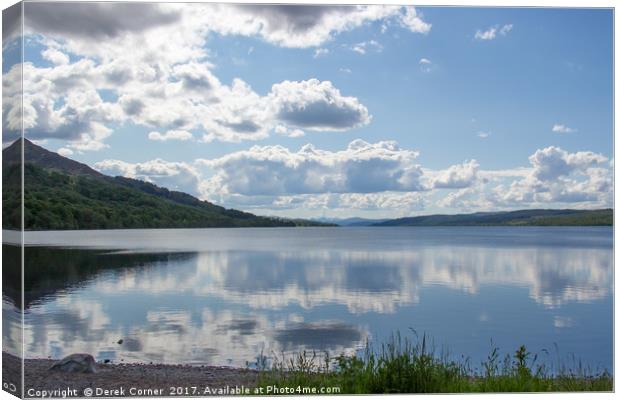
354	221
60	193
511	218
37	155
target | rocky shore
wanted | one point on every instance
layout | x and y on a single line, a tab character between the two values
120	380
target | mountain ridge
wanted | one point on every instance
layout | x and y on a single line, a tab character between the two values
38	155
60	193
531	217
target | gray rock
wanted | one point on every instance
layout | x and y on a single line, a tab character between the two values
76	363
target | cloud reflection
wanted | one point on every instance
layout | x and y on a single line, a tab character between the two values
227	307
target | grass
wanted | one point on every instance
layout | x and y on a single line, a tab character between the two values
411	366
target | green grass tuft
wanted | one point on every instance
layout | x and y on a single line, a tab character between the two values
412	366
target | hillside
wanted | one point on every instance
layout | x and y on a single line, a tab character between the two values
44	158
353	221
511	218
60	193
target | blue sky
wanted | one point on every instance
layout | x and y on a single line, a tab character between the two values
483	108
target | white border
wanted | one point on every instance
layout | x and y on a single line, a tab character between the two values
476	3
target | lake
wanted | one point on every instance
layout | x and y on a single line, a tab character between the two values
224	296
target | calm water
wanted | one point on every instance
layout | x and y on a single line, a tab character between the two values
223	296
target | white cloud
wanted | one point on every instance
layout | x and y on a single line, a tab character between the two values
320	52
558	176
552	162
457	176
63	102
81	116
316	105
92	139
196	77
467	199
284	131
505	29
411	20
274	170
491	33
170	135
172	175
425	65
363	47
483	135
65	152
561	128
379	178
55	57
345	70
165	82
304	25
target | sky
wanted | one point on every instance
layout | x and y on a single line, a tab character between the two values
325	111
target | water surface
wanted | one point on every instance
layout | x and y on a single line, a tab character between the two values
224	296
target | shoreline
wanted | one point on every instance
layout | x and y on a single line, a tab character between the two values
128	379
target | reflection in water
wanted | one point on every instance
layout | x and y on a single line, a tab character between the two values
319	336
228	305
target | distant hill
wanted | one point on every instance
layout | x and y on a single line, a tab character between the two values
353	221
511	218
61	193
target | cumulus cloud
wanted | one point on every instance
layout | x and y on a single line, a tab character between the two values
411	20
165	82
457	176
377	178
172	175
284	131
170	135
80	117
196	76
558	176
552	162
55	57
561	128
467	199
316	105
63	102
58	102
274	170
306	25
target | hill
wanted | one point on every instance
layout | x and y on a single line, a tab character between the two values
60	193
511	218
353	221
37	155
